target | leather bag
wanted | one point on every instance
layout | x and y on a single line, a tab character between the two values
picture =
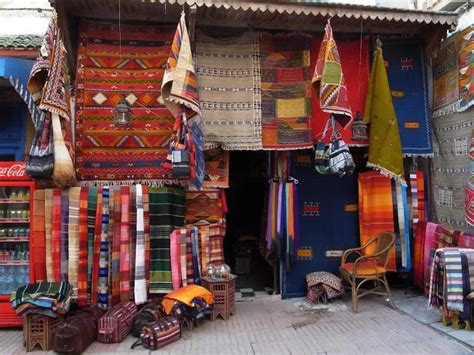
115	325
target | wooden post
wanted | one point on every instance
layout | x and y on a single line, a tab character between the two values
192	24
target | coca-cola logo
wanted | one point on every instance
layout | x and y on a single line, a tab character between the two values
13	171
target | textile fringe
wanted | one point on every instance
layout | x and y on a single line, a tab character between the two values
358	145
387	173
446	110
287	148
179	101
412	155
150	183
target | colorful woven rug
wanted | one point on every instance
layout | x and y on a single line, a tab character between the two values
125	243
38	236
83	248
140	291
356	76
376	210
452	138
103	150
116	217
175	257
103	289
204	207
166	214
64	237
469	201
91	217
446	77
328	80
385	149
73	242
286	91
229	90
133	236
418	255
466	68
55	236
217	169
402	227
407	79
96	247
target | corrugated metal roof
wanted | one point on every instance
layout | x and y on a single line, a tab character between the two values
21	42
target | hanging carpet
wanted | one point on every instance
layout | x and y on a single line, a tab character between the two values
408	84
205	207
228	71
466	68
286	91
217	169
104	76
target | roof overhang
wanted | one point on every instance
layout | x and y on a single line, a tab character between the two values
301	15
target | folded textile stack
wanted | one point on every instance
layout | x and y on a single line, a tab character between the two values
46	298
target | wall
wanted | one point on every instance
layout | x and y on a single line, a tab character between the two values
24	17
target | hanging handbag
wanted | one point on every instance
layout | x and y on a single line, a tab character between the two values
180	151
340	158
115	325
159	334
321	154
40	160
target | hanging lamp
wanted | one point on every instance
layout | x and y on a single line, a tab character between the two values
359	129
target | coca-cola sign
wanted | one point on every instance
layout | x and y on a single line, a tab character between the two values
13	170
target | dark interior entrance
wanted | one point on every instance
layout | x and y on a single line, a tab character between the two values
244	249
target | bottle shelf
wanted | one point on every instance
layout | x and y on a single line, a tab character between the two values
14	239
12	201
14	262
14	220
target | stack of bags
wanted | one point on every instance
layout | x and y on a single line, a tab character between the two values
46	298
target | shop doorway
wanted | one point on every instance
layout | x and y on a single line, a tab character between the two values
244	250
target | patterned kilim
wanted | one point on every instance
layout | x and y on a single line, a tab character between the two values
217	169
286	91
73	242
375	210
38	236
103	289
166	214
83	248
452	138
229	90
446	77
357	78
204	207
328	80
407	79
104	151
469	201
91	215
64	238
466	68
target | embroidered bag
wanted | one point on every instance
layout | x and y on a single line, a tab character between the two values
40	160
115	325
160	333
340	158
180	151
321	154
150	312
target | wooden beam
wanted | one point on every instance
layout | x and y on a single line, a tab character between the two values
63	24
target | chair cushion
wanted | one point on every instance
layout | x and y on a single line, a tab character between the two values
366	268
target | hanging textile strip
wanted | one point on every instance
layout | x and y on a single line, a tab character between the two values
454	286
189	259
91	219
354	57
175	255
73	239
469	202
385	149
286	91
414	198
420	178
140	283
204	207
470	264
205	250
396	226
183	256
116	216
418	252
270	217
125	244
104	151
55	236
64	242
403	227
38	235
146	217
449	170
133	235
446	77
375	210
328	80
195	254
434	283
228	73
96	250
103	279
216	235
405	63
466	68
110	239
167	208
428	254
83	248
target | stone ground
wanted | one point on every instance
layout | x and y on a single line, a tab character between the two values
272	326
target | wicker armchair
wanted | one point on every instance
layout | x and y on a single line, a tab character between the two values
368	267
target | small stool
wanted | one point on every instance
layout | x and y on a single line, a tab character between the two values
224	296
39	330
